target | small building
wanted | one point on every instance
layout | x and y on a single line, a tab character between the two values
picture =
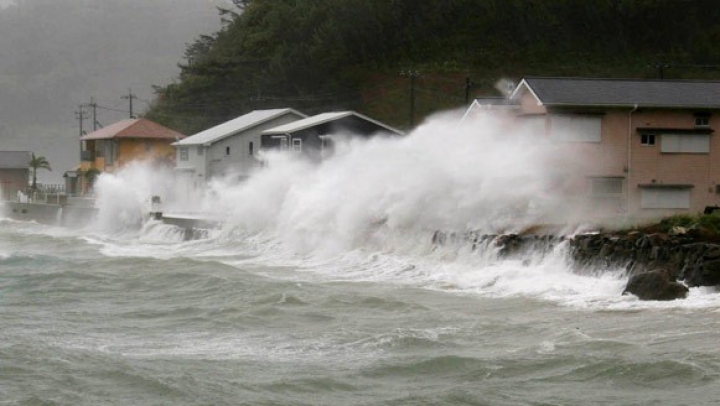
312	136
228	148
14	173
112	147
644	148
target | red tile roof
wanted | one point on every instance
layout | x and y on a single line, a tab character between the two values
134	128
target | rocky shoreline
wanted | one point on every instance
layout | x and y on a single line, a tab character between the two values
660	266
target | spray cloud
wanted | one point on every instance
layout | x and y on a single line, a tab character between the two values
487	173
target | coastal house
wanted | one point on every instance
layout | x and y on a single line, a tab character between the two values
228	148
644	148
311	136
110	148
14	173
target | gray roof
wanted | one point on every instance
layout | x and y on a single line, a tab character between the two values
14	159
623	92
237	125
322	119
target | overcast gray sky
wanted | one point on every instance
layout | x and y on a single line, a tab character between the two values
58	54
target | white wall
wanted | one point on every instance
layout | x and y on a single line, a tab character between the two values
239	161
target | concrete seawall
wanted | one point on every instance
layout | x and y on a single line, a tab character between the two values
55	214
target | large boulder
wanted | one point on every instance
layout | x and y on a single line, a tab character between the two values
655	285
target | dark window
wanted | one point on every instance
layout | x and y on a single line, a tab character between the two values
250	149
702	121
227	150
647	139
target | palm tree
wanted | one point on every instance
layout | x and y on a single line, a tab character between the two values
36	163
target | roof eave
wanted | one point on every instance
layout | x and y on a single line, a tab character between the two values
247	127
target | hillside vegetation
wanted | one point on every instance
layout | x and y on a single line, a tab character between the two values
320	55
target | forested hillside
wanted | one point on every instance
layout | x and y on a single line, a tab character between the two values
319	55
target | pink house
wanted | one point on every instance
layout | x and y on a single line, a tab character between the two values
644	148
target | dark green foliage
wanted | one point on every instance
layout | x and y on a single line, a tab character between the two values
321	55
37	162
680	220
707	223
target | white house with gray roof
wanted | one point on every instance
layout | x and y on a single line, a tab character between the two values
229	148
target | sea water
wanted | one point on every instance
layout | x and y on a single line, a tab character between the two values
323	287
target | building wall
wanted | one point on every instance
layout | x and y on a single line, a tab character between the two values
651	166
239	161
12	181
137	149
193	168
529	105
620	155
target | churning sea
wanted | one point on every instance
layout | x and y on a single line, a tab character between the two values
323	288
148	319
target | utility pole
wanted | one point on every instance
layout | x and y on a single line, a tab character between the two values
130	96
412	74
94	112
81	115
468	85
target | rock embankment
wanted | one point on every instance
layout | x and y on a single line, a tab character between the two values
683	257
659	265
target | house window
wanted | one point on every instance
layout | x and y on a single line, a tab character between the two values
227	151
250	149
148	146
606	186
183	153
647	139
280	141
200	150
702	121
685	143
665	198
109	153
575	128
297	145
100	148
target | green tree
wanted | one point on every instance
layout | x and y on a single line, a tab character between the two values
37	162
321	55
